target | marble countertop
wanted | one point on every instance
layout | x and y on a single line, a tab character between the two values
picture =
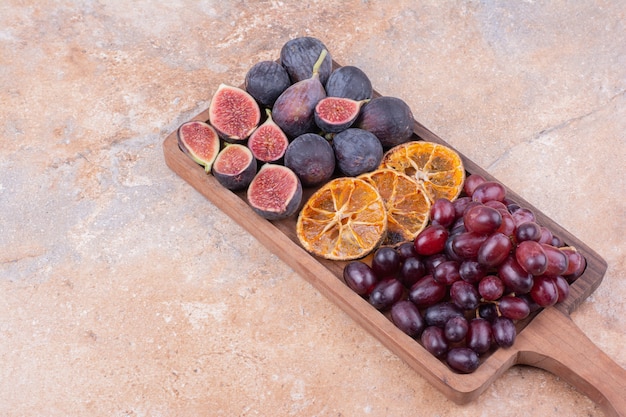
127	293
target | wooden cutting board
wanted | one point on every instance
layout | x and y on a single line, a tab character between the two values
549	339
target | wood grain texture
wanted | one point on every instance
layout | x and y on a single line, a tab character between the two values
548	340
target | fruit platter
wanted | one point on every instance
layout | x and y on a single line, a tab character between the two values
450	269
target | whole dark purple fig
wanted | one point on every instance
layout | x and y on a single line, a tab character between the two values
299	55
265	81
234	167
335	114
200	142
275	192
349	82
389	118
357	151
233	113
268	142
312	158
294	109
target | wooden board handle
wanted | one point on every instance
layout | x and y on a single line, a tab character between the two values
553	342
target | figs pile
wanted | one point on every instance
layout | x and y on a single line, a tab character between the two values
295	122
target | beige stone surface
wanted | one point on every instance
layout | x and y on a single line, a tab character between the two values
126	293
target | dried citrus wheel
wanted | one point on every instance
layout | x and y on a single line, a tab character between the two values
406	204
436	167
344	219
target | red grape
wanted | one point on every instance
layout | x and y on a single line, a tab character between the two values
455	329
386	293
442	212
359	277
557	260
466	244
439	314
504	332
482	219
463	359
494	250
434	341
471	182
489	190
479	335
491	287
514	307
427	292
544	291
447	272
531	256
431	240
528	231
464	295
514	276
411	271
386	262
407	318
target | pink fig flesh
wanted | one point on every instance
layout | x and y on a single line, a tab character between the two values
234	113
200	142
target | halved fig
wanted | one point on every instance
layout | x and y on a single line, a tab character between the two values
294	109
275	192
389	118
234	113
336	114
349	82
265	81
200	142
268	142
234	167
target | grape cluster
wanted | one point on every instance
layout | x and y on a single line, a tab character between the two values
482	264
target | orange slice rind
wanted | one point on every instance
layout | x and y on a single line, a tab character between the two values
437	168
406	204
344	219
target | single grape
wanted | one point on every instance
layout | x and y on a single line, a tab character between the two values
471	182
412	270
460	204
466	244
546	235
431	240
386	293
523	215
463	359
514	276
494	250
479	335
447	272
434	341
489	190
544	291
464	295
491	288
407	318
433	260
406	250
448	250
576	263
455	329
427	292
508	225
514	307
528	231
562	287
471	271
440	313
504	331
359	277
557	260
531	256
386	262
482	219
488	311
498	205
442	212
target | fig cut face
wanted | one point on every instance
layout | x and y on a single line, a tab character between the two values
275	192
200	142
234	167
234	113
268	142
336	114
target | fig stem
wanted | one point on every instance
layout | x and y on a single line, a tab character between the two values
318	63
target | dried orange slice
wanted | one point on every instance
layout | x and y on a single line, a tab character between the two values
438	168
406	204
344	219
